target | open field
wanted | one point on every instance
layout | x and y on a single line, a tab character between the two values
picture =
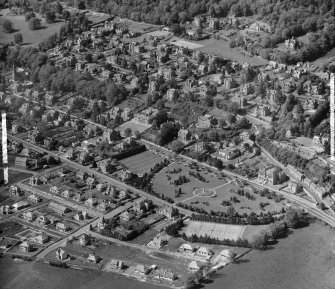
214	230
163	185
30	37
14	274
134	126
142	162
303	260
221	48
185	43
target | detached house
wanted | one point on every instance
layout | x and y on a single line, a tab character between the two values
203	252
184	135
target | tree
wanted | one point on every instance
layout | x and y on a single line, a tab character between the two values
127	132
50	16
190	282
66	15
81	5
18	39
7	26
260	241
29	15
177	146
34	23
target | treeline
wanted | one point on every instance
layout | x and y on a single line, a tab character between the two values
283	155
129	152
68	80
173	229
144	182
244	243
232	217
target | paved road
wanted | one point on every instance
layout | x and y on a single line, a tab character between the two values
300	201
82	230
99	175
310	207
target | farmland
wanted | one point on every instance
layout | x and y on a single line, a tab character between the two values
142	162
30	37
220	231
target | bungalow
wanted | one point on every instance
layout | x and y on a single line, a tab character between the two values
194	266
62	227
59	208
25	247
164	274
203	252
20	205
186	248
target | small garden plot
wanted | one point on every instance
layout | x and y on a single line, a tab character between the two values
142	162
9	228
177	176
26	234
213	230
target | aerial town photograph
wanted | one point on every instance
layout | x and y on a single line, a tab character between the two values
185	144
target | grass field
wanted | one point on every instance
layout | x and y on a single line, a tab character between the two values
214	230
134	126
142	162
220	48
30	37
303	260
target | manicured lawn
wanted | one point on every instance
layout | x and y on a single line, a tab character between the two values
142	162
244	205
30	37
162	185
